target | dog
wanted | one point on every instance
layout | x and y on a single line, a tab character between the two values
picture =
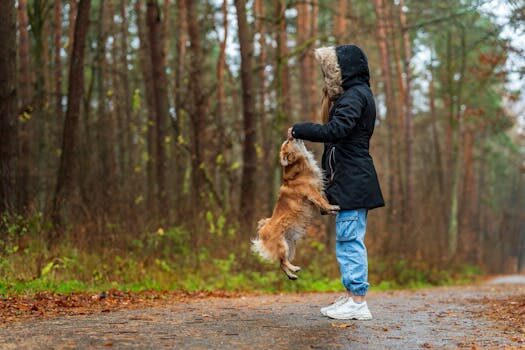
300	198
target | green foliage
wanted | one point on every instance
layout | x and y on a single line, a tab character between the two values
163	260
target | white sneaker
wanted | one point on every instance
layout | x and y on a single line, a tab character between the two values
339	301
350	310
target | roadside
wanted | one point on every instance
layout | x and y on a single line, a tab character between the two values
445	317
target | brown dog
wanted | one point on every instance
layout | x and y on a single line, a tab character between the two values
301	193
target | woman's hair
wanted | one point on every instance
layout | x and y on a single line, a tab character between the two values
325	106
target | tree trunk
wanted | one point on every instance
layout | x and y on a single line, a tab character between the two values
128	113
106	125
394	190
25	92
247	205
221	64
24	79
198	108
8	106
282	74
182	37
68	161
221	148
58	60
340	21
306	32
160	85
283	96
455	129
145	63
408	125
469	238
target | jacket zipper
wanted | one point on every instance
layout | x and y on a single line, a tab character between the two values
331	157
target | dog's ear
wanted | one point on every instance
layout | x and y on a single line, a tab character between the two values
291	157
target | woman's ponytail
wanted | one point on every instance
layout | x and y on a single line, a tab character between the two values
326	104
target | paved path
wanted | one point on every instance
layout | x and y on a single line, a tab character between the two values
509	279
433	318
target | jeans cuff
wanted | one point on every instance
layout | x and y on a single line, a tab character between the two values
360	292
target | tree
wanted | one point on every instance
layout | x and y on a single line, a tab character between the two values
407	108
386	70
25	102
8	102
306	37
247	204
340	21
147	77
160	97
67	170
197	109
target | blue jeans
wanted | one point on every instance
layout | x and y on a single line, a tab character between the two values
350	250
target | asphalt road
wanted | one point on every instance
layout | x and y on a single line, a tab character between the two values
433	318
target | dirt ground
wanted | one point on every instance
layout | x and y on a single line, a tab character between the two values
469	317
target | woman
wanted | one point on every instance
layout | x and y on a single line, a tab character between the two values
349	115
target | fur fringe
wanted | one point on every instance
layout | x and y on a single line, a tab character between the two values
258	245
259	248
333	80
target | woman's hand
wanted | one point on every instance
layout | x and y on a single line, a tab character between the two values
290	137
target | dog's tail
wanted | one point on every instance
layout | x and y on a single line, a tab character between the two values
258	244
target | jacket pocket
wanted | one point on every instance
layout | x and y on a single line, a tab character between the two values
346	228
331	164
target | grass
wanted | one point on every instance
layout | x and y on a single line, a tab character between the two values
163	260
220	274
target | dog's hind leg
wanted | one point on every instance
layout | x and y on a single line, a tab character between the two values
291	240
284	252
287	271
291	267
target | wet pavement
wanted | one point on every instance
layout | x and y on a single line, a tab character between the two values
444	318
510	279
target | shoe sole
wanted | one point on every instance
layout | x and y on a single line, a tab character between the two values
350	317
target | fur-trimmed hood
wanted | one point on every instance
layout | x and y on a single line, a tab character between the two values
343	66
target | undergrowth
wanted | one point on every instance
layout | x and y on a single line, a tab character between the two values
171	259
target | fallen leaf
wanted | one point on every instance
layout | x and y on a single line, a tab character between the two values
341	325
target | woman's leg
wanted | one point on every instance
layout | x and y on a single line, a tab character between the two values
351	251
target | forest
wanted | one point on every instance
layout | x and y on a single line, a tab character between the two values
139	139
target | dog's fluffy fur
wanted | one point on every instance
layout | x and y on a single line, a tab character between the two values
300	198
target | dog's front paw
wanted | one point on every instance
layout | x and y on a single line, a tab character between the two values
333	209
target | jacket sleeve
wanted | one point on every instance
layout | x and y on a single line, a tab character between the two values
347	111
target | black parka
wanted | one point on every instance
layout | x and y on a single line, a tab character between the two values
351	179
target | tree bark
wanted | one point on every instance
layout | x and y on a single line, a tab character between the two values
182	37
128	151
145	63
282	74
106	109
221	64
25	82
408	125
68	162
384	54
283	96
306	32
161	99
340	21
24	79
247	205
469	239
8	106
58	60
198	108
